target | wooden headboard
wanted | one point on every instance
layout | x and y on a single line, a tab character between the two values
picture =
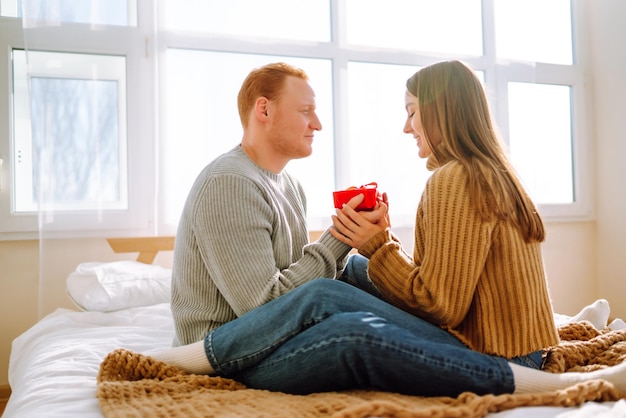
147	247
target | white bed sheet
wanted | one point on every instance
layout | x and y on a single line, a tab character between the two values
54	364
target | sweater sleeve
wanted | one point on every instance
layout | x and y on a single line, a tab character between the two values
451	245
252	239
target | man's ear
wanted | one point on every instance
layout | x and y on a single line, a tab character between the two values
261	108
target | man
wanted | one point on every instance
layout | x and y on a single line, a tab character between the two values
242	240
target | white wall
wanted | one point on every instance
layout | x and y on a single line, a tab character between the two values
608	48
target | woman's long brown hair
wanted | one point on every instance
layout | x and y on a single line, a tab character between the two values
458	126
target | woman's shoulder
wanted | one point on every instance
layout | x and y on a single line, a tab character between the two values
451	171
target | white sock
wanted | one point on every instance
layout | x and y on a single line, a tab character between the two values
191	358
597	313
528	380
617	324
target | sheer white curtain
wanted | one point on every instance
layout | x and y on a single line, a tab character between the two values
82	150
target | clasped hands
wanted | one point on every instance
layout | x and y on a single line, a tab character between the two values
356	228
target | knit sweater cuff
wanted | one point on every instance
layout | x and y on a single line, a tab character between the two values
336	247
376	242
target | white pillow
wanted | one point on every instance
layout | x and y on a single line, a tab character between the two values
106	287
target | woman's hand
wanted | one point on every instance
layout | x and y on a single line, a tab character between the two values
356	228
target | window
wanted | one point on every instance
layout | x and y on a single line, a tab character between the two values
152	87
543	157
70	132
280	19
79	157
417	25
524	34
96	12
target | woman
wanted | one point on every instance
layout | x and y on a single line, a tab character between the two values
471	311
477	269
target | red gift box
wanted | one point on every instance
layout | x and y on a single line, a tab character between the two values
369	190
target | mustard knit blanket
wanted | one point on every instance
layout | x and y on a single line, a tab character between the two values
134	385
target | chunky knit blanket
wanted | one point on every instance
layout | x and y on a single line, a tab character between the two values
134	385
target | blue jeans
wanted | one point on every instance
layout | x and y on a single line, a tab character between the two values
327	335
355	273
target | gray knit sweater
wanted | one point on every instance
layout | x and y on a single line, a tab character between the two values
242	241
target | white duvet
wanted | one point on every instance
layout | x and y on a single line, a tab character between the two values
54	364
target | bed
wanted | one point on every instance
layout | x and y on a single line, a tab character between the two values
86	363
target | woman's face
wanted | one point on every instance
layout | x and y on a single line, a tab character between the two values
413	125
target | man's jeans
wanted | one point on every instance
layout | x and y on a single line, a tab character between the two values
327	335
355	273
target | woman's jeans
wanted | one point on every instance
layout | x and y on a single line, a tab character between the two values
327	335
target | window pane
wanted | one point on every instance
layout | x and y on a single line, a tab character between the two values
378	149
96	12
286	19
541	140
202	122
534	30
443	26
70	151
8	8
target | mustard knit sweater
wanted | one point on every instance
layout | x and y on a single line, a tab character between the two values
478	279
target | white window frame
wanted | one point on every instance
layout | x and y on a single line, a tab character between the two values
135	43
142	51
581	208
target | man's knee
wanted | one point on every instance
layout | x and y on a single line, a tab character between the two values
323	288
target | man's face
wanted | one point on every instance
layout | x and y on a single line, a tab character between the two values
293	120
